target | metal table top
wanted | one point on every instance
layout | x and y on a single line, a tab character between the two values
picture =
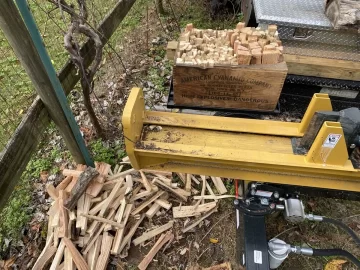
294	13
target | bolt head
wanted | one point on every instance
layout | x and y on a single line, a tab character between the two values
352	146
252	192
236	202
276	195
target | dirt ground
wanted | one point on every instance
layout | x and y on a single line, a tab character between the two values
195	247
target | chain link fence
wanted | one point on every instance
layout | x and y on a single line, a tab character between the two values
16	92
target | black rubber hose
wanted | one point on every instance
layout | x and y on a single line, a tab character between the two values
344	227
337	252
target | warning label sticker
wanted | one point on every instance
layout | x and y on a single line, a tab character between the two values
332	140
257	256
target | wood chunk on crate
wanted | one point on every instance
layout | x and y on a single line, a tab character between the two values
263	42
256	57
240	25
244	57
269	47
270	57
272	28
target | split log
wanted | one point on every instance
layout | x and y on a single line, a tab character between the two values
130	234
145	181
93	254
155	207
80	187
52	191
103	259
63	215
85	210
97	231
188	182
148	235
72	173
171	191
64	183
197	221
104	220
164	238
164	203
68	260
76	255
223	266
146	203
58	256
212	197
120	175
190	211
97	183
219	184
45	256
120	233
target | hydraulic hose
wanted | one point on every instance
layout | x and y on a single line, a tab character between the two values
337	252
344	227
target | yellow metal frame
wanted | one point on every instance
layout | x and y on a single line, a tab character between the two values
246	149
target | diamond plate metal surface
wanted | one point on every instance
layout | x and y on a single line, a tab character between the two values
328	37
324	82
321	50
294	13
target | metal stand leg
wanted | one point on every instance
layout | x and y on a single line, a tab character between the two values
252	245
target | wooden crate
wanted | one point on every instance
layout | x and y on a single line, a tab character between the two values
253	87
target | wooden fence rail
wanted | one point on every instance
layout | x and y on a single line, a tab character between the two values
25	139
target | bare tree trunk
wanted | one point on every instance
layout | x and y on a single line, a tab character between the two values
78	25
159	4
93	118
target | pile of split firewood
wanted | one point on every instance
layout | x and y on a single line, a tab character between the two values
241	46
97	212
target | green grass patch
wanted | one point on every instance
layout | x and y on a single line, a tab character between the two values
107	152
131	21
199	14
17	213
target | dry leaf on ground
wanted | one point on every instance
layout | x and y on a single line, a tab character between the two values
335	265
